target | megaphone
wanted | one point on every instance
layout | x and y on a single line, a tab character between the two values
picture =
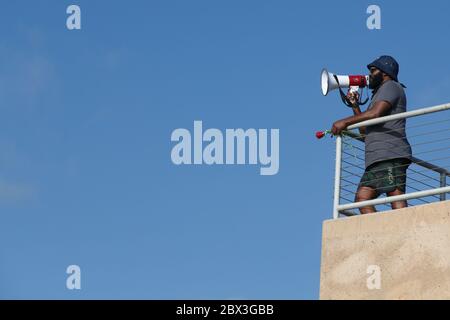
329	81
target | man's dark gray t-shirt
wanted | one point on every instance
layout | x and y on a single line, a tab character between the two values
388	140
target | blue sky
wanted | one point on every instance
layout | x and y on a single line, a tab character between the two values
86	176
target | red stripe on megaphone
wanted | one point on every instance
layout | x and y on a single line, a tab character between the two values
357	80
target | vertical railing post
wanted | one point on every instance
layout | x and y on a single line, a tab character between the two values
337	177
443	184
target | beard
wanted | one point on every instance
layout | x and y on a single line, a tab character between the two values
375	81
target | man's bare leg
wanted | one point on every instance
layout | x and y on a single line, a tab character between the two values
397	204
363	194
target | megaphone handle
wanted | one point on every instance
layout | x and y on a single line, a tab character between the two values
344	98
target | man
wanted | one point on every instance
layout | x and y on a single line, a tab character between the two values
387	150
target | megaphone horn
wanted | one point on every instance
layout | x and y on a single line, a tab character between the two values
329	82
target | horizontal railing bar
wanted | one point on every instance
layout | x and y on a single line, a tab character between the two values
403	115
401	197
421	134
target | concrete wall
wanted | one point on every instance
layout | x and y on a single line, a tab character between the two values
405	253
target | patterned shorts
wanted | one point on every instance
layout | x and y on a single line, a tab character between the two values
386	176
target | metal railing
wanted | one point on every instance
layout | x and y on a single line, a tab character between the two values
430	191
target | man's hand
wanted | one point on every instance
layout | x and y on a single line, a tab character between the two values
338	127
353	97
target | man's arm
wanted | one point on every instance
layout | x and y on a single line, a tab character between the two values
379	109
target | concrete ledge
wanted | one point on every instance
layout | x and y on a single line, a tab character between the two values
401	254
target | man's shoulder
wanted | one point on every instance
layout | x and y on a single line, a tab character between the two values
390	91
392	85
